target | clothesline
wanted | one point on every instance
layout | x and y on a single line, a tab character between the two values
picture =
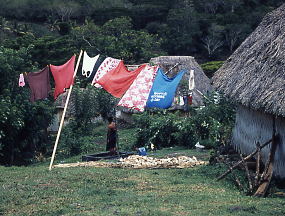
137	88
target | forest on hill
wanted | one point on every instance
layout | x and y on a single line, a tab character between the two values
35	33
133	30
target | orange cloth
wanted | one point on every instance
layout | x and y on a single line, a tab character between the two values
63	76
118	80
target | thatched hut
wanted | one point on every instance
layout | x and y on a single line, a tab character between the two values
254	77
173	64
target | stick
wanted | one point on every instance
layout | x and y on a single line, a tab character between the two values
63	115
265	182
237	181
257	173
248	175
172	68
245	159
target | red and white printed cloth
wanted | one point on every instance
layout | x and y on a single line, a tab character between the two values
137	95
107	65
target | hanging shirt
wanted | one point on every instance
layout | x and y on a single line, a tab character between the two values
39	83
88	64
96	67
63	76
21	80
136	96
118	80
163	90
107	65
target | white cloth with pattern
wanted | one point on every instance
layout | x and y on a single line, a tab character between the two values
136	96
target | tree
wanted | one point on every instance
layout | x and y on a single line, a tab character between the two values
213	40
118	39
182	30
22	123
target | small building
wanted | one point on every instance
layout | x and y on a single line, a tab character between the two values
254	77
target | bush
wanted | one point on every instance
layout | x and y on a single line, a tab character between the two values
210	68
211	125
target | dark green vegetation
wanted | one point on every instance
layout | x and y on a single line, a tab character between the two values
210	125
206	29
34	190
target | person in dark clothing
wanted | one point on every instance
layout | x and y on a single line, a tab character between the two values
111	136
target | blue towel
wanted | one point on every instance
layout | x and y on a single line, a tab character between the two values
163	90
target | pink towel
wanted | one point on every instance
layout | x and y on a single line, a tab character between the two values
21	80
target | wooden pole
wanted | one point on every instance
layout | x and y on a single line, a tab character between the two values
63	114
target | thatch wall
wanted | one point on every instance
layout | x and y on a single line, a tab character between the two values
254	126
254	75
202	82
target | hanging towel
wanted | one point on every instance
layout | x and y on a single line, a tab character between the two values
107	65
118	80
88	64
21	80
136	96
39	83
191	81
163	90
95	68
63	76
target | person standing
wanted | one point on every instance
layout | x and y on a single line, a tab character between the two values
111	136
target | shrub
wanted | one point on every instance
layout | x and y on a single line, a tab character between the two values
211	125
210	68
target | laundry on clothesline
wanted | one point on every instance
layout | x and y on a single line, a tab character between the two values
88	64
137	95
107	65
39	83
118	80
63	76
163	90
21	80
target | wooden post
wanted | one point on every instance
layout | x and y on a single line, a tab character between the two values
245	159
63	114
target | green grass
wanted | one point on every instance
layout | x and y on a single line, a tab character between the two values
34	190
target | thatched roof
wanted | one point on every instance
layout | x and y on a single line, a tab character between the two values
202	82
254	75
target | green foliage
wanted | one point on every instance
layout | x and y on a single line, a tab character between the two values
22	123
118	39
210	68
210	125
80	134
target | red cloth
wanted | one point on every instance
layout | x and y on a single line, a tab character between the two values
39	83
118	80
63	76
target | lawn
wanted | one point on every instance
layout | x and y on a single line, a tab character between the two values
34	190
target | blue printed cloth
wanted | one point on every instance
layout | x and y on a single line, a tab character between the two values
163	90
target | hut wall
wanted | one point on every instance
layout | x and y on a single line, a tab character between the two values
254	126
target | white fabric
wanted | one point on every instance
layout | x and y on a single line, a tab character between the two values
181	101
191	81
88	64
